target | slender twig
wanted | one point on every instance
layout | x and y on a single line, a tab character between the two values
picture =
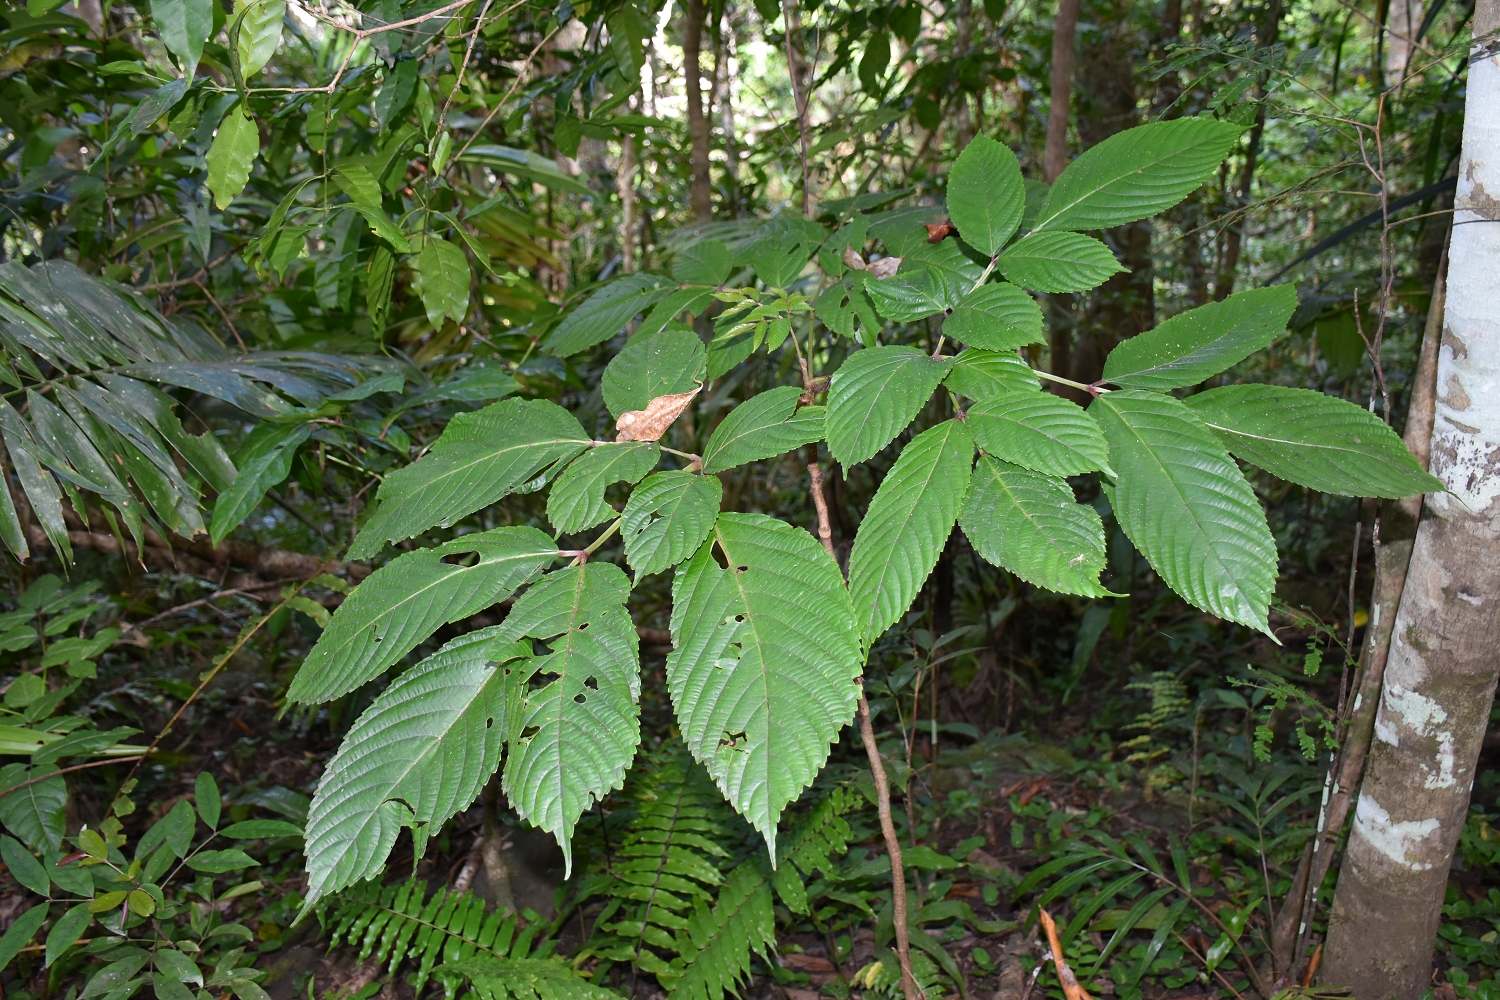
825	531
227	321
192	279
909	987
75	767
463	67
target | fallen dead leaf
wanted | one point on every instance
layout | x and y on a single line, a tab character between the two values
884	267
806	963
652	422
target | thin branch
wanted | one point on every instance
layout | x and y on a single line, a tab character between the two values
75	767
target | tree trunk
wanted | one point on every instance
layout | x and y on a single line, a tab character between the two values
1055	157
1402	22
1440	678
700	195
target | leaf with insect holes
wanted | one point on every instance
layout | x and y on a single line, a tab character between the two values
764	426
764	657
986	194
480	458
577	498
667	518
1031	524
405	601
1041	432
577	721
907	525
997	317
874	395
1321	442
1200	343
1184	503
1058	262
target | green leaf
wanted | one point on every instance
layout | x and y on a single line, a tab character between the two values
579	722
264	460
780	248
525	163
874	395
1031	524
157	104
1136	173
998	317
986	194
980	375
605	313
1058	262
1321	442
68	929
912	294
34	813
525	979
387	230
419	754
21	931
173	963
765	653
692	300
1183	502
577	498
706	262
233	153
444	270
217	862
661	364
175	830
1040	432
847	310
907	525
480	458
401	604
1202	342
208	802
667	518
25	868
258	829
260	33
184	25
764	426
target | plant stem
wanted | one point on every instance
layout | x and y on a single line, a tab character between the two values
909	986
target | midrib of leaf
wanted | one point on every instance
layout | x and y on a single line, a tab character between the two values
560	703
765	680
1341	449
395	913
1036	525
661	865
936	457
1115	179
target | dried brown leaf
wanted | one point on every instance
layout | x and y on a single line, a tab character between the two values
652	422
884	267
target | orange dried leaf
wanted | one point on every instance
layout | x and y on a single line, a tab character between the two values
652	422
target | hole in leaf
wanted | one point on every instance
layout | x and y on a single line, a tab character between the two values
592	683
579	698
529	732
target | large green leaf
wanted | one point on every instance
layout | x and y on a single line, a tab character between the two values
691	300
409	598
232	155
1058	262
765	654
418	755
605	313
913	293
1184	503
874	395
1317	441
980	374
907	525
706	262
986	194
524	163
578	724
847	309
34	813
1031	525
577	498
445	274
259	34
183	26
764	426
1202	342
264	461
21	931
998	317
480	458
667	518
1039	431
661	364
780	248
1136	173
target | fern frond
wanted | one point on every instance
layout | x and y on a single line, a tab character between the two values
526	979
399	924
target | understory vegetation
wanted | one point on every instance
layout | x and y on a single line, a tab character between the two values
599	500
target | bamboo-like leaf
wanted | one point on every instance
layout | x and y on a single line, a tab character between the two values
907	525
577	727
264	461
1031	525
1317	441
667	518
980	374
874	395
577	498
401	604
1041	432
996	317
1137	173
480	458
419	754
1184	503
1194	345
765	653
764	426
1058	262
